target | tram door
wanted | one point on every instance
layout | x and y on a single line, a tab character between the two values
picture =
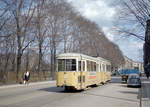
82	74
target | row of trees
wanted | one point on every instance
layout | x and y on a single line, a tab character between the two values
33	32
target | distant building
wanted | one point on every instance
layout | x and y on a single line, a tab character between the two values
138	65
130	64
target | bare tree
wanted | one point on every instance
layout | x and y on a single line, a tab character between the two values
40	29
133	15
57	19
22	11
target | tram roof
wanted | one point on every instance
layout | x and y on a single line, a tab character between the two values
82	55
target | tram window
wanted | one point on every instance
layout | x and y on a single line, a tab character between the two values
103	68
97	67
108	67
66	65
73	65
61	65
83	66
70	64
100	67
94	66
79	65
88	66
91	66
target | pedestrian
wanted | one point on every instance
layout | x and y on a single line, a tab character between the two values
27	77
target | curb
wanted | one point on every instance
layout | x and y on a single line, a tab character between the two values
22	85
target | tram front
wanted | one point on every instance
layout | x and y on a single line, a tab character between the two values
67	73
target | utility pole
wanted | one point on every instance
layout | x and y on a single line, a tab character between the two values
147	48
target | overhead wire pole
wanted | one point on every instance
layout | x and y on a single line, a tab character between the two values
146	55
147	49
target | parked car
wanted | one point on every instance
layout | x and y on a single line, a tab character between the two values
134	80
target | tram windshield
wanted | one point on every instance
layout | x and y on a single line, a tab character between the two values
66	65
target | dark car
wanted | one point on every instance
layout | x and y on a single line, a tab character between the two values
134	80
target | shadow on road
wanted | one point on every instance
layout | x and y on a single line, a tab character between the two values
52	89
59	90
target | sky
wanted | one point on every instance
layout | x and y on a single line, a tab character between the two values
103	13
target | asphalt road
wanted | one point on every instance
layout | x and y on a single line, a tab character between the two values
46	94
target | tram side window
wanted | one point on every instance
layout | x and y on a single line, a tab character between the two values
94	66
66	65
100	67
74	65
104	68
91	66
79	65
70	65
108	67
83	66
97	67
88	66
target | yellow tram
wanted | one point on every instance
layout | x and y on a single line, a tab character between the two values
78	71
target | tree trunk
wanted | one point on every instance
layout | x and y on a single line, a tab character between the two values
27	63
18	65
52	63
40	59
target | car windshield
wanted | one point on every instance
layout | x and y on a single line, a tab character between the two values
134	80
133	76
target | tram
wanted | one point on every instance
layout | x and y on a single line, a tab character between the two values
78	71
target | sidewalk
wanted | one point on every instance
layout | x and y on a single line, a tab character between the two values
145	92
22	85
